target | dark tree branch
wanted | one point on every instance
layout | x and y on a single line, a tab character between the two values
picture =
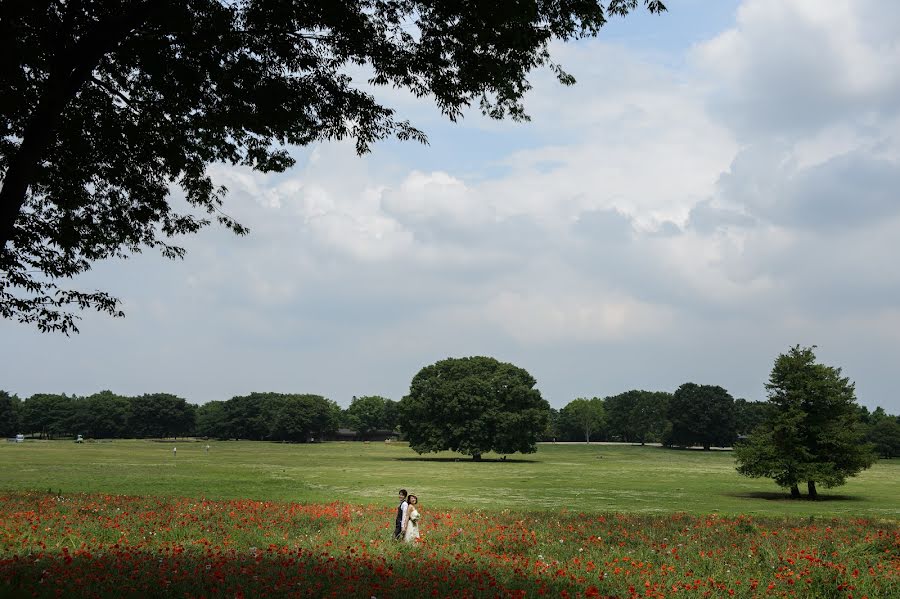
73	72
114	92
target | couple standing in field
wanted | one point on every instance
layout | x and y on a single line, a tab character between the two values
406	526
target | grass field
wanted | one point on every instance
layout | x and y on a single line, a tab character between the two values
589	478
130	519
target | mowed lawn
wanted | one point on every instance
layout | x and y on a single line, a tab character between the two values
578	477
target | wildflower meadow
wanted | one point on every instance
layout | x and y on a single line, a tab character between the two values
108	545
58	542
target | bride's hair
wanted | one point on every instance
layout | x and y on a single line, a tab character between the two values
409	499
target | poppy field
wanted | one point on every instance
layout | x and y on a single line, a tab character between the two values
243	519
97	545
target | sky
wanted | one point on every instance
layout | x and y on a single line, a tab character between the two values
720	185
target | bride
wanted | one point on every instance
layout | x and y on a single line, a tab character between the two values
411	524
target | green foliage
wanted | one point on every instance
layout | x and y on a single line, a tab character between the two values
302	418
109	105
9	414
473	405
103	415
244	417
161	415
47	414
584	416
701	415
884	435
366	414
637	416
812	433
261	416
749	414
211	420
391	415
553	431
280	417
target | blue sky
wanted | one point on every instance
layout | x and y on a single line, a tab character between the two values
718	186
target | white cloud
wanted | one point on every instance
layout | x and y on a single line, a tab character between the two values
796	67
538	318
436	196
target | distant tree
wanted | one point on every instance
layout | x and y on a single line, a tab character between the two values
9	414
553	430
584	415
647	417
47	414
211	420
102	415
636	416
391	415
701	415
812	432
749	414
109	106
161	415
365	414
883	432
618	414
474	405
863	414
244	417
301	418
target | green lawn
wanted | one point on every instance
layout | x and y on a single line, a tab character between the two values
591	478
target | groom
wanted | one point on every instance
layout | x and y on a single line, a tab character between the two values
401	511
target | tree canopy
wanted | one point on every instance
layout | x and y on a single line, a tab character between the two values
637	415
369	413
812	432
473	405
301	418
107	106
274	416
701	415
9	414
587	416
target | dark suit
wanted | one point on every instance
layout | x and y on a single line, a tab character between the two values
398	525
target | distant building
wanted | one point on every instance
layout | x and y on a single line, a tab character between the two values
347	434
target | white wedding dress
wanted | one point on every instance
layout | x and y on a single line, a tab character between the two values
412	526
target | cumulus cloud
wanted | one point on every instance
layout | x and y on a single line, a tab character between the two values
566	318
789	68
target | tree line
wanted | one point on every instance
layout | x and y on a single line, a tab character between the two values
257	416
693	416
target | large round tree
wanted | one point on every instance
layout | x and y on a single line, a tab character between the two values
473	405
701	415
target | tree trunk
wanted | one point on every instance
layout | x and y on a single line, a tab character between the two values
795	492
23	164
706	446
476	457
811	487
